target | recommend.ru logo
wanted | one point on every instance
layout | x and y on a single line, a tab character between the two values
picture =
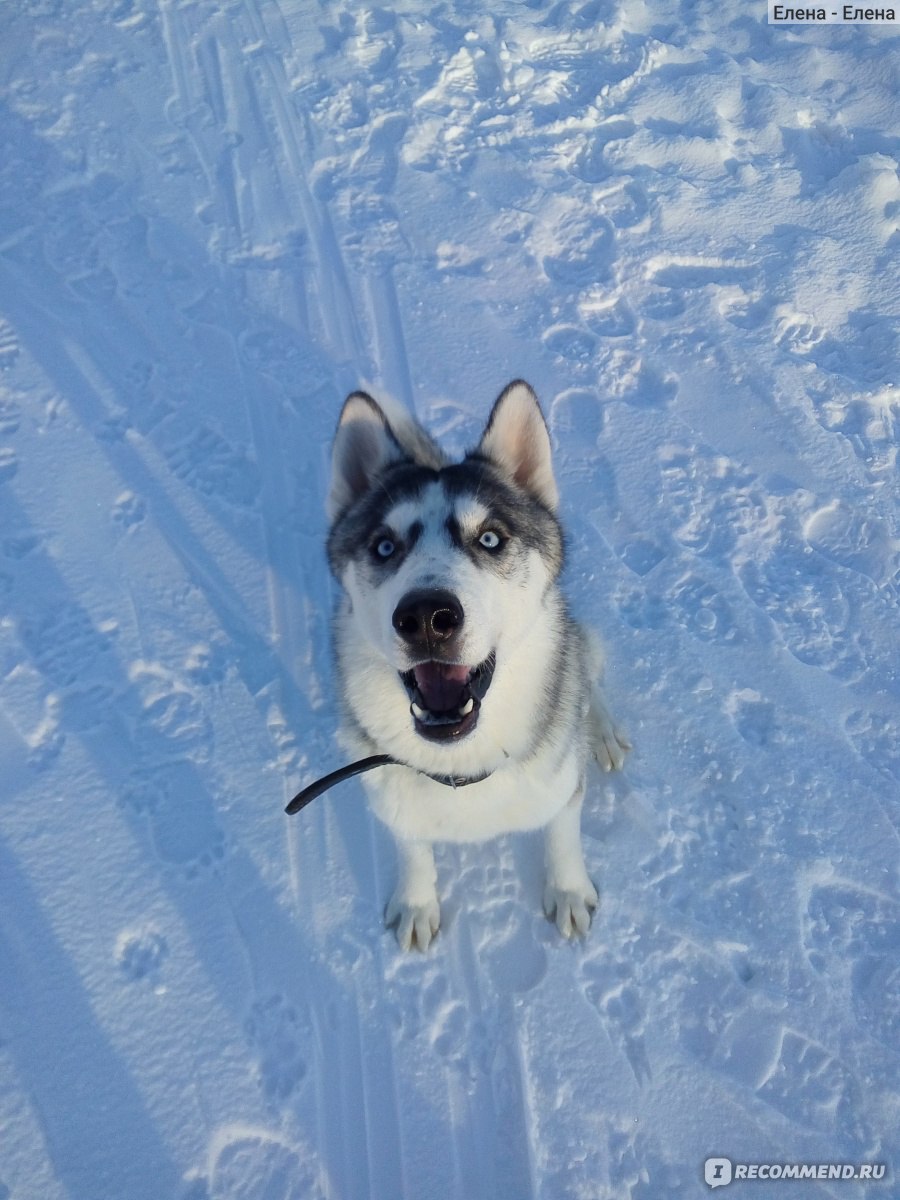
720	1171
717	1172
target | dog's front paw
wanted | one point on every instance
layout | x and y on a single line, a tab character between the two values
571	909
415	922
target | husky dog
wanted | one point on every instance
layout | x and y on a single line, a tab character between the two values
456	655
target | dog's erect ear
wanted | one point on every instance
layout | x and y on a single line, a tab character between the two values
517	441
363	446
370	436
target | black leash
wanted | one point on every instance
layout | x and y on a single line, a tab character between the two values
367	764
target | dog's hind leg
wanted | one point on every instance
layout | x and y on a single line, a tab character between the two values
569	896
608	744
414	907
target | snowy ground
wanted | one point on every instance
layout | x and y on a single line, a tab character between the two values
682	226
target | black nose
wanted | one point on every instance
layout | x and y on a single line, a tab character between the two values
425	618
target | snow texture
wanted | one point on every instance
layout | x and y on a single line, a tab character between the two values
681	225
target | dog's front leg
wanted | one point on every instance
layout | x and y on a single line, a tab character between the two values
569	896
414	907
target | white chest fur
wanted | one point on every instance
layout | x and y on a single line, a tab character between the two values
517	797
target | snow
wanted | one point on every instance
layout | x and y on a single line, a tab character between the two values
681	225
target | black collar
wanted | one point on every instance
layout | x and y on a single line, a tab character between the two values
367	764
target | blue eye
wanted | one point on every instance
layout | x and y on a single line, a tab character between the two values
385	548
490	540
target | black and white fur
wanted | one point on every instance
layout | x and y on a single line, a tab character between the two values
456	653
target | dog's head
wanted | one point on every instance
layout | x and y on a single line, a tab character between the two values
446	565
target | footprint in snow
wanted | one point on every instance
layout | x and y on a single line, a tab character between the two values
206	663
607	317
854	934
810	1086
629	207
609	989
291	361
792	1074
640	607
577	419
207	462
854	540
279	1034
636	1169
708	995
170	721
505	928
870	423
180	817
572	344
64	644
249	1164
376	42
373	168
714	502
702	610
753	717
640	554
451	1033
128	511
461	1012
808	607
796	332
516	960
627	377
580	249
141	953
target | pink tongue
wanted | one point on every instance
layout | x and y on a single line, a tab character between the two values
442	686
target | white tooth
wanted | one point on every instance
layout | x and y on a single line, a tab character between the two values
468	706
417	712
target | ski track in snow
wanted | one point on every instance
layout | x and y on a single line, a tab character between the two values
681	225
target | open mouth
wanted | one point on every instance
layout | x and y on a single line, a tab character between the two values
445	698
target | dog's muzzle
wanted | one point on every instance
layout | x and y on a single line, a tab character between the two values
445	698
